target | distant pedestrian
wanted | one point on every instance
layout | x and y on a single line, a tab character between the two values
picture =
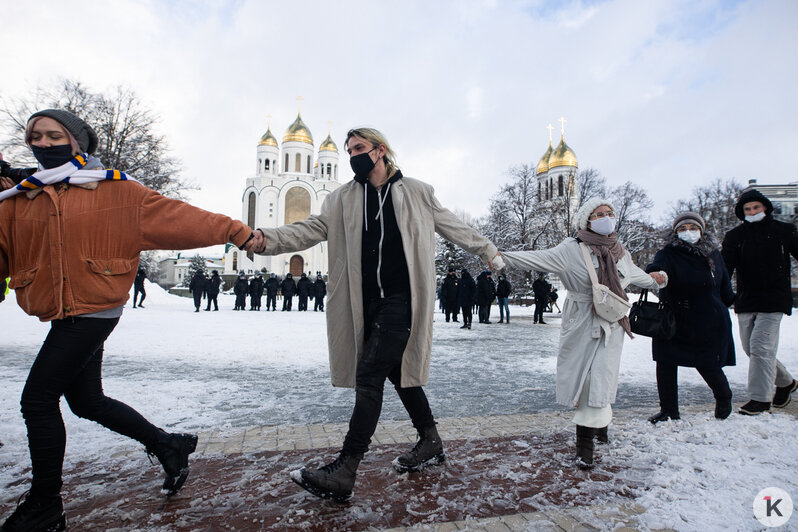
759	250
241	289
467	293
303	292
553	296
272	287
214	284
319	292
450	295
699	292
138	287
198	288
541	288
503	291
288	288
486	293
255	291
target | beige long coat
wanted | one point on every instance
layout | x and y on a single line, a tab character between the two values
419	216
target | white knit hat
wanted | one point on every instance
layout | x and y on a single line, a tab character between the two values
588	207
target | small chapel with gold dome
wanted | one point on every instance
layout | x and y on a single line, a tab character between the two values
557	172
291	181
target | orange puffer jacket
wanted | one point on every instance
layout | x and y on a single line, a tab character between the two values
72	250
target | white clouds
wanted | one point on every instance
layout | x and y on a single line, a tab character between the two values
669	94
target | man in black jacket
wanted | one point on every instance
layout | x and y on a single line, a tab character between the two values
240	289
759	251
255	291
486	293
503	290
303	291
288	288
198	287
138	287
272	286
541	288
213	290
449	296
319	291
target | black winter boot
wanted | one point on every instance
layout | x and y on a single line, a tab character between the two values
428	451
723	408
584	446
333	481
601	435
172	451
37	514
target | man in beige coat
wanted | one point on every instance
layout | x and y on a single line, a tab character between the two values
380	230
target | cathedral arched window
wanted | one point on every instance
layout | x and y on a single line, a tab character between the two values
274	165
266	165
297	205
329	170
539	190
251	210
285	166
559	186
336	172
235	261
310	160
298	163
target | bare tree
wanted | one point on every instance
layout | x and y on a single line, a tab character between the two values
715	203
125	126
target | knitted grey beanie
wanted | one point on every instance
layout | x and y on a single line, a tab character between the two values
83	133
688	218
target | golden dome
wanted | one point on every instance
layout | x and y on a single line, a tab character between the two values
562	155
268	139
298	132
543	165
328	145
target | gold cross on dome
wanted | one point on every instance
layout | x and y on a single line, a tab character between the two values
299	103
562	122
268	121
549	127
329	127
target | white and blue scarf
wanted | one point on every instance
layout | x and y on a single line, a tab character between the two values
71	172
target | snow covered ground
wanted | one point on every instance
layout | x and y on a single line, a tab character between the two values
193	371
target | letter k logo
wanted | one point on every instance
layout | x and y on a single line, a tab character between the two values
772	506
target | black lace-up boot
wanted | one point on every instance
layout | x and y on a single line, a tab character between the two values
172	451
428	451
333	481
37	514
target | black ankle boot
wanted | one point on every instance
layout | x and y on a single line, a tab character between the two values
428	451
601	435
333	481
584	446
37	514
723	408
172	451
662	416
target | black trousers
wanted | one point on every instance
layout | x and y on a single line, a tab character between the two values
467	315
197	300
669	391
241	302
254	302
303	302
271	300
69	363
288	302
212	298
540	306
136	292
451	312
319	304
387	333
484	313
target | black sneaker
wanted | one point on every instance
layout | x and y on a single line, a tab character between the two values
754	408
783	396
723	408
37	514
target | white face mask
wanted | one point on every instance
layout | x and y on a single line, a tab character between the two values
753	218
603	226
690	236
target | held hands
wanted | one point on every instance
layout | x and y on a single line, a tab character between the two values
658	277
497	263
256	242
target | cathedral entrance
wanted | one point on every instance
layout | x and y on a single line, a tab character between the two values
297	266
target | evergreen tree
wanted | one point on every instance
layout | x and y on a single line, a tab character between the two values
198	264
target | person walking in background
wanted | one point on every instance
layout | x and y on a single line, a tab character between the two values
198	288
255	291
241	289
272	287
303	292
553	296
541	289
380	230
214	284
75	272
503	291
486	293
288	288
319	291
590	346
450	295
699	291
758	251
466	294
138	287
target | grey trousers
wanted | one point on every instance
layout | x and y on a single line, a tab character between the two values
759	334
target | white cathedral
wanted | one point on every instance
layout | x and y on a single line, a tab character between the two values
557	172
288	185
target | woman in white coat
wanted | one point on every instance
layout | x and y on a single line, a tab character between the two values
590	347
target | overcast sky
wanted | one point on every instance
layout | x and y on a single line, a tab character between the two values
667	94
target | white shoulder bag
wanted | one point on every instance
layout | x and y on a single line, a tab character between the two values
608	305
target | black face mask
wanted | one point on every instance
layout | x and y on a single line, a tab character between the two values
362	164
53	156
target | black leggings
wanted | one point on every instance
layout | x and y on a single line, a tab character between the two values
669	391
69	363
387	333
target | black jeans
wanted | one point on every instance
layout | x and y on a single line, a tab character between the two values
212	299
136	292
668	388
484	313
319	304
387	333
540	306
69	363
271	300
467	315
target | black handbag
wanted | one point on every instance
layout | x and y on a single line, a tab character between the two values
655	320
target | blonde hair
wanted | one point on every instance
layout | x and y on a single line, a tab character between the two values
72	140
376	138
